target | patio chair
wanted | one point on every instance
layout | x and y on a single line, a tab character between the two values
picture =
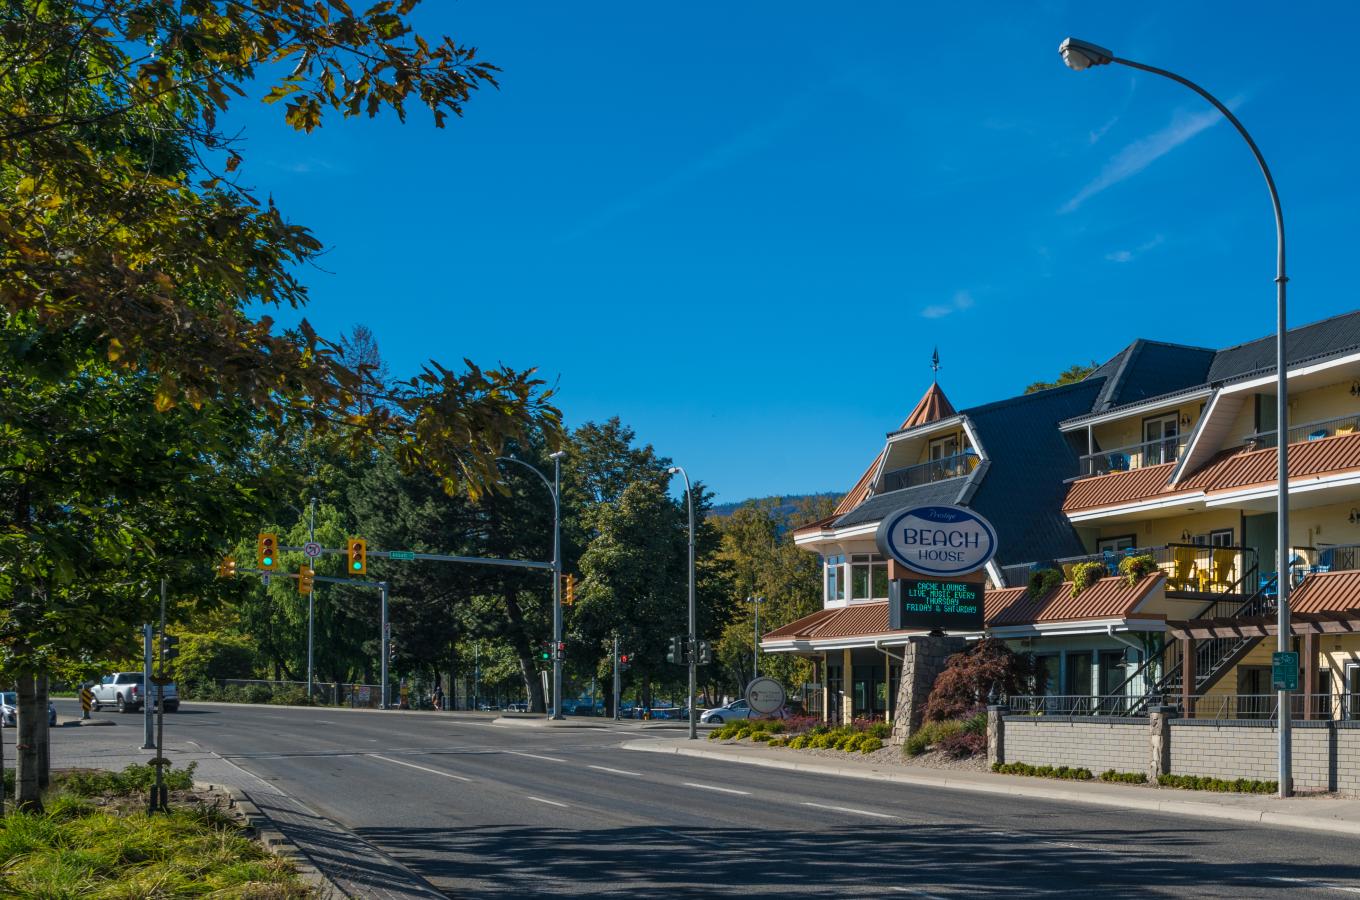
1317	435
1344	429
1111	561
1222	569
1184	570
1269	585
1119	462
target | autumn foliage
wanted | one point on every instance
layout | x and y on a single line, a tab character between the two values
968	679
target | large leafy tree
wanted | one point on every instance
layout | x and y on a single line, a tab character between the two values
137	278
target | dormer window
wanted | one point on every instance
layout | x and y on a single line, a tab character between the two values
868	577
943	448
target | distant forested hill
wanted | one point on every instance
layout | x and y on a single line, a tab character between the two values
787	502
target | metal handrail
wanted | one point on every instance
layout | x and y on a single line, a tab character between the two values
1308	431
941	469
1134	456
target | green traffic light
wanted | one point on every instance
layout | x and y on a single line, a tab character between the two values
358	565
269	560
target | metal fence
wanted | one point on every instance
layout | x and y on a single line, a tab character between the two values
1211	706
324	693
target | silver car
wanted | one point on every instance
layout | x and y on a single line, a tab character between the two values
737	709
9	710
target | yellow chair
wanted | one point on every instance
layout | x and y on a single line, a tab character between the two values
1068	569
1183	575
1222	568
1345	429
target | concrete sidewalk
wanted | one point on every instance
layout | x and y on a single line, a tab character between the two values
1316	813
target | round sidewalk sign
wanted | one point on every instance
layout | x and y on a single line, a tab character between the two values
765	695
311	549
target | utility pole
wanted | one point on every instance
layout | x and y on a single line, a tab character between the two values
755	641
148	727
386	638
158	796
311	602
616	678
692	640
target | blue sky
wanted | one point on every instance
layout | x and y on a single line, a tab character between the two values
742	228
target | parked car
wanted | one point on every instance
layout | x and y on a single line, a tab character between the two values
9	710
126	692
737	709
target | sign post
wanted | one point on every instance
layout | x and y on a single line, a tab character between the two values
947	546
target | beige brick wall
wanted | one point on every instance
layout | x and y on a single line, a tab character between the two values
1228	750
1098	745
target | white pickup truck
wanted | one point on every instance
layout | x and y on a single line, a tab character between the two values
126	692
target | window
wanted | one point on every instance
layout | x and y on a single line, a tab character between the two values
868	577
1223	537
1049	666
941	448
835	578
1159	436
1116	544
1078	674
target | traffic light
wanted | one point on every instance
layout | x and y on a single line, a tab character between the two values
705	653
561	650
675	651
391	651
569	595
306	574
626	660
545	651
267	551
227	567
169	646
358	556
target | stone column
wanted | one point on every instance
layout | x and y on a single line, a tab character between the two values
1159	741
996	735
923	660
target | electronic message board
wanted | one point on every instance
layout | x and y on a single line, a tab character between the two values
934	604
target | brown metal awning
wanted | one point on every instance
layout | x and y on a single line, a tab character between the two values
1328	622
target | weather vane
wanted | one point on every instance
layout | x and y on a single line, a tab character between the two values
935	365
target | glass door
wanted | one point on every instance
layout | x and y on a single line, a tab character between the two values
1159	436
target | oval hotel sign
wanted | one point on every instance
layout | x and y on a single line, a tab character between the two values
937	540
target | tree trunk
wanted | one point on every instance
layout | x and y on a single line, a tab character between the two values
27	796
44	739
453	676
519	641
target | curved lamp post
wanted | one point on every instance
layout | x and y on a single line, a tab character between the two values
1080	55
554	488
692	640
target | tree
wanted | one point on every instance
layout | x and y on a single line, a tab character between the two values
970	677
1071	375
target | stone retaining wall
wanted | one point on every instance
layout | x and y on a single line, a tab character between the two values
1096	743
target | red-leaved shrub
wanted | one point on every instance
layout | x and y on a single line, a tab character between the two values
965	743
969	677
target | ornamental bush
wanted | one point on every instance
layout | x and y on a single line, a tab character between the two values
868	744
963	744
1064	772
1043	582
1114	777
969	677
1136	568
1085	575
1222	785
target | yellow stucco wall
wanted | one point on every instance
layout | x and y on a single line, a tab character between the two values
1335	651
1227	685
1158	532
1127	432
1329	402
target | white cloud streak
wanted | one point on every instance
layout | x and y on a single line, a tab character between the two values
1142	153
961	300
1123	256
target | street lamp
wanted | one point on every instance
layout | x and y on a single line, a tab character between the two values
554	488
693	638
1081	55
755	642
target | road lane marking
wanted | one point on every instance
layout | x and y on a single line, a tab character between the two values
414	766
534	755
711	787
615	771
549	802
1308	882
850	809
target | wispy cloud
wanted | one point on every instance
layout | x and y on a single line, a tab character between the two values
310	166
749	142
961	300
1100	132
1123	256
1142	153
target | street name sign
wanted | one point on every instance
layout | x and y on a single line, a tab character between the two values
1284	671
937	541
933	604
401	554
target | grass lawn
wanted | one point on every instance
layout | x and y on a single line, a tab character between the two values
95	840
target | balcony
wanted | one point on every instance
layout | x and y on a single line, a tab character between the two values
1134	456
1197	569
942	469
1308	431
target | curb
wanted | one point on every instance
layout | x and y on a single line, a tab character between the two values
1190	808
541	722
275	842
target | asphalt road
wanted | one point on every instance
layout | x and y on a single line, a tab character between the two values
491	811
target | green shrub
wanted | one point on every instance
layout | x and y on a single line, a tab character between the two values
799	742
1222	785
778	742
880	730
1043	582
1065	772
1135	568
869	743
1114	777
932	733
133	779
1086	574
963	745
760	737
976	724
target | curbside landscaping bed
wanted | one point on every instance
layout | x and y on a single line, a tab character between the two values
806	733
95	839
1110	776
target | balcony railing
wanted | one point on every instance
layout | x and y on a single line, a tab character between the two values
1212	706
1197	568
947	467
1308	431
1135	456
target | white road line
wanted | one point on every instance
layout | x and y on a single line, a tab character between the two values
549	802
534	755
710	787
1308	882
414	766
849	809
615	771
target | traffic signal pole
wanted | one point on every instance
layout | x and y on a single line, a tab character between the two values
616	678
386	640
